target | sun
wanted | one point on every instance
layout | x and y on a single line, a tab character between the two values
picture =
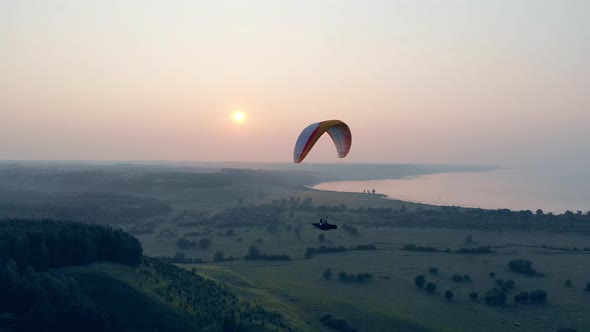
238	116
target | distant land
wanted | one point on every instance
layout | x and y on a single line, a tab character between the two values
324	172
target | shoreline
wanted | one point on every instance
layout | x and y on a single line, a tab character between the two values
516	190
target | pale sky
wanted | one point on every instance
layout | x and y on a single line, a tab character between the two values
471	82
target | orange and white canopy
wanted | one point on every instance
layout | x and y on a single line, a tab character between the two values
337	129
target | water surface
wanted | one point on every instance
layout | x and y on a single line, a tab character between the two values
549	190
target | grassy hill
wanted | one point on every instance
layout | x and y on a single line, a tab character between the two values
67	276
163	297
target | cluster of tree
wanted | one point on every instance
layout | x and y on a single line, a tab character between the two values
536	296
41	298
254	253
184	243
228	232
297	229
220	257
272	228
430	287
359	277
337	324
449	295
180	258
280	178
196	234
364	247
263	214
420	281
45	244
456	277
205	243
478	250
213	304
377	210
523	266
505	285
295	203
309	252
495	296
413	247
99	208
334	208
565	249
482	219
144	228
168	233
351	230
191	218
49	301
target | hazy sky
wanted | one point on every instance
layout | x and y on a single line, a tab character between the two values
473	82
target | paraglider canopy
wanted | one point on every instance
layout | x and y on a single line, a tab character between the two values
337	129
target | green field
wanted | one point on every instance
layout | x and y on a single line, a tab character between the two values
238	209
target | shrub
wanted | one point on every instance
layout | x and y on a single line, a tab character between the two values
351	230
218	256
457	277
342	276
473	296
361	277
364	247
413	247
339	325
432	270
184	243
568	283
449	295
492	275
420	280
327	274
254	253
538	296
523	266
321	238
430	287
495	297
505	285
205	243
478	250
523	297
309	252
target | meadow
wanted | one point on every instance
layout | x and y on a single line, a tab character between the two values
272	212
